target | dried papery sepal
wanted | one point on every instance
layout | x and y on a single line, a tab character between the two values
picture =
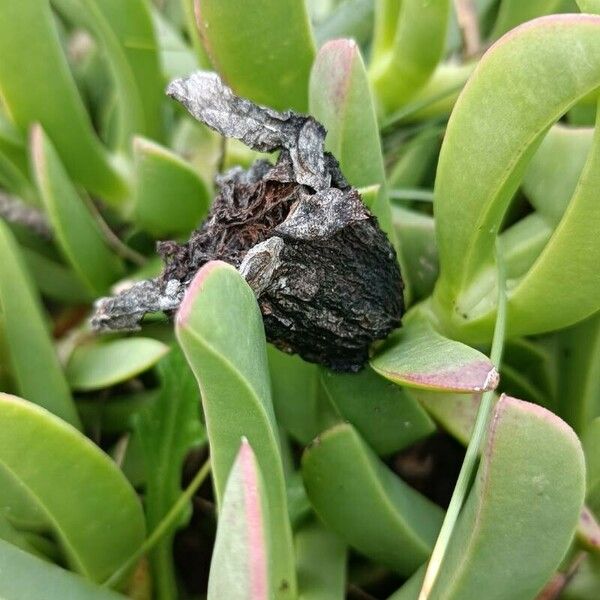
324	274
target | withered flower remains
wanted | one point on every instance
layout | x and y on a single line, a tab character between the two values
324	274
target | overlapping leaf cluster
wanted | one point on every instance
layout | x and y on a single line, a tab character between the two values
470	129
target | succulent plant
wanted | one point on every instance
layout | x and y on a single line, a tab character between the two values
361	297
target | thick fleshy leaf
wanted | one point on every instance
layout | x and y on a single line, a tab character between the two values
369	507
418	356
531	366
340	98
78	234
385	416
455	413
130	24
14	180
569	256
240	561
9	533
45	92
30	577
168	430
55	280
408	47
170	196
523	242
264	50
578	364
117	414
33	362
321	560
531	479
589	6
295	389
562	66
124	101
349	19
514	12
99	365
417	232
176	57
220	328
417	157
54	464
591	447
552	174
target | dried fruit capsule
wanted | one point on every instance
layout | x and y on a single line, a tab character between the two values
325	276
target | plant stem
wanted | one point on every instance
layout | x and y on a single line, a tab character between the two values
471	456
162	528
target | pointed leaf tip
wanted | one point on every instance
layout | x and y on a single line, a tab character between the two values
477	376
254	519
195	288
240	563
418	356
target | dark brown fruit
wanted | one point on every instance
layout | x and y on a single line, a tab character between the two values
325	275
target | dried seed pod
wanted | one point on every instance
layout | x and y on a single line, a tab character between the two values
325	276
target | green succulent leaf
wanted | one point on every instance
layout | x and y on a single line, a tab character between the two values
98	365
54	280
349	19
552	175
321	559
562	66
578	363
340	98
45	92
170	197
416	158
100	18
78	234
131	26
417	356
369	507
264	49
386	417
295	389
117	414
455	413
240	564
514	12
168	429
33	362
532	473
589	6
32	577
421	265
523	242
591	447
409	43
53	463
220	329
177	58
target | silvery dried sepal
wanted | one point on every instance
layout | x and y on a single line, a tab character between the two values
325	276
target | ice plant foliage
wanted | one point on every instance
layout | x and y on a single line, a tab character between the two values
346	267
